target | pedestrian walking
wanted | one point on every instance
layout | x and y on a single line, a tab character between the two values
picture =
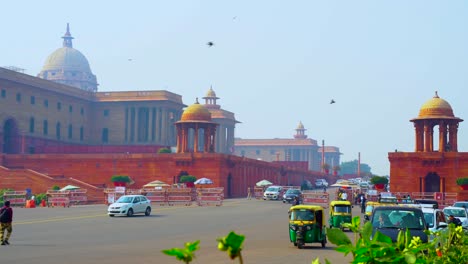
249	194
6	218
363	204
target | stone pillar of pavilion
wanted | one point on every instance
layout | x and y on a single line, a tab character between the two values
196	121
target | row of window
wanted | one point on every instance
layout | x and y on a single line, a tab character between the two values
3	94
58	129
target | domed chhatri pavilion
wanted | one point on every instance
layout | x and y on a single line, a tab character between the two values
195	130
436	163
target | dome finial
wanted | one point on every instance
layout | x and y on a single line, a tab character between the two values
436	95
196	101
67	38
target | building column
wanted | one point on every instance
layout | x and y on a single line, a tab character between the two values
453	130
158	125
195	138
427	138
441	184
442	136
419	137
164	127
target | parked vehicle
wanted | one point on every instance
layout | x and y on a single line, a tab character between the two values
435	219
458	212
291	195
427	203
463	204
390	220
340	213
320	183
307	225
128	205
272	193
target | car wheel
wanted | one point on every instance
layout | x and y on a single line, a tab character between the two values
111	215
130	212
148	211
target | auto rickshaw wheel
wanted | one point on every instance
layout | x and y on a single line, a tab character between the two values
300	245
295	244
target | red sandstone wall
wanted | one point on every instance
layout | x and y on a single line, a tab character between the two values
97	169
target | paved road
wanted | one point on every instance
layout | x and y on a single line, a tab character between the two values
85	234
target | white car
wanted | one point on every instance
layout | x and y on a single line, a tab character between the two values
128	205
458	212
321	183
435	218
273	193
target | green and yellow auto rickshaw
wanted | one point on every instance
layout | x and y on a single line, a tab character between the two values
307	225
340	213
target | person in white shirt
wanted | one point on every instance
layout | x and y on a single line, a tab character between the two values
344	196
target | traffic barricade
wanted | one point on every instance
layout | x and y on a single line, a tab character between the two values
78	196
315	198
182	196
112	194
16	198
156	196
210	196
258	192
58	198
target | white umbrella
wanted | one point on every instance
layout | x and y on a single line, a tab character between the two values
69	187
203	181
263	183
156	184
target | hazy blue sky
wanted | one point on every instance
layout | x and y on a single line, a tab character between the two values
274	63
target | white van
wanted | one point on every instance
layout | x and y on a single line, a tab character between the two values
273	193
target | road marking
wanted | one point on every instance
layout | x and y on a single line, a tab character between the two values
58	219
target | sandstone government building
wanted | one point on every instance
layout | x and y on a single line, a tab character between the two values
58	129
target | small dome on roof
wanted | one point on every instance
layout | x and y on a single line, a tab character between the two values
436	108
210	93
196	112
300	126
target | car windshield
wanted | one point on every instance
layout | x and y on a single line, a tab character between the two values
397	218
342	209
125	199
369	208
293	191
302	215
429	217
272	189
455	212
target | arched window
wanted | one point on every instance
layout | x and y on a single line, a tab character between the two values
81	133
45	128
57	130
70	131
31	125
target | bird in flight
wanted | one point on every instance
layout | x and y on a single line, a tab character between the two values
129	59
210	44
332	101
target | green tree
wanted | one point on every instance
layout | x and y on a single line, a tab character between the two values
350	167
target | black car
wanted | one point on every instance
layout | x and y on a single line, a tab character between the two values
291	194
390	220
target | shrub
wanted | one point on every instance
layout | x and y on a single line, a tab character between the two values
164	150
120	178
55	187
188	178
462	181
379	180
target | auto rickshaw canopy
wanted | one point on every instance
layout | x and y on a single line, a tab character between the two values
333	203
307	213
